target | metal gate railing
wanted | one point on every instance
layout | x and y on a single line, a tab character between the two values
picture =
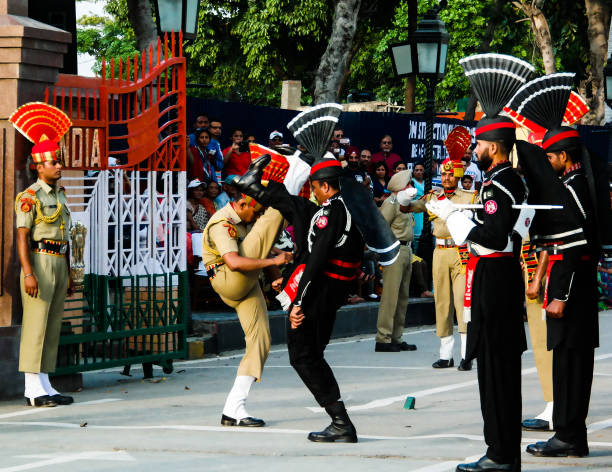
126	184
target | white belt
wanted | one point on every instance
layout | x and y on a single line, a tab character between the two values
479	250
445	242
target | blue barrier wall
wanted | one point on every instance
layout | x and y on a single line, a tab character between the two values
365	129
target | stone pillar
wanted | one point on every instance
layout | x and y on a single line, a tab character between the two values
31	54
291	94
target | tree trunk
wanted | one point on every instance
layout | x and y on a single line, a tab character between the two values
334	60
139	15
495	15
541	32
598	16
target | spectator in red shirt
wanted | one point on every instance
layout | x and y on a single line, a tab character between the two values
198	160
385	155
234	161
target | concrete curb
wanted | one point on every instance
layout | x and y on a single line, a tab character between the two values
351	320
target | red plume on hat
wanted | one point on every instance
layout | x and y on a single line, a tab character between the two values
457	142
44	125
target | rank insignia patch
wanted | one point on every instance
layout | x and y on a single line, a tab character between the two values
231	230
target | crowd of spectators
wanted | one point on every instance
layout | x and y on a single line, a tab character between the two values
211	168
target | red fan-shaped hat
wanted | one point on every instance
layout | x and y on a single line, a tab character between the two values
44	125
457	142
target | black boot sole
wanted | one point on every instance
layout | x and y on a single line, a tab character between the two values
339	439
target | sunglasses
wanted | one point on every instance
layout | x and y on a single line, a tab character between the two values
277	138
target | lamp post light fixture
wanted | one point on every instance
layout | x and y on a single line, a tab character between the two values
607	72
424	55
177	15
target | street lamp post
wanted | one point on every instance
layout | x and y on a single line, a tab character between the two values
177	15
607	72
424	55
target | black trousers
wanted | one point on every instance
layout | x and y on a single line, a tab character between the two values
572	380
499	381
307	343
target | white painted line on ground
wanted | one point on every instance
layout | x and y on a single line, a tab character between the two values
445	466
66	458
239	356
34	410
382	402
290	367
266	430
599	425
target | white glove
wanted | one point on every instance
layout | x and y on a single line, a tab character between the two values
442	207
405	196
468	213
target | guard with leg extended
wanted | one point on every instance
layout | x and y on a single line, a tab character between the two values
234	257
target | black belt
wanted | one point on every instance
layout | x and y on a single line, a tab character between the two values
50	246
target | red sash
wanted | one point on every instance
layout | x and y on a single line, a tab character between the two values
469	281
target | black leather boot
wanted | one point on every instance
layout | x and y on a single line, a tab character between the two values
250	182
340	430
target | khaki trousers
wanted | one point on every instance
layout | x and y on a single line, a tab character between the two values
394	298
449	289
42	316
543	357
241	291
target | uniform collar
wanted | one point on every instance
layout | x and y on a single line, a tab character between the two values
573	168
232	215
450	193
46	187
497	168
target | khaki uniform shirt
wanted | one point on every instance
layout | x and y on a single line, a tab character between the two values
402	224
222	234
440	229
57	225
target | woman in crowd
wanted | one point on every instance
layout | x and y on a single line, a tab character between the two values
399	166
380	180
197	216
198	160
235	161
211	193
418	180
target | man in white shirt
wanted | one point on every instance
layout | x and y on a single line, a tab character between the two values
470	168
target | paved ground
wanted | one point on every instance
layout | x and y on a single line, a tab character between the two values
121	423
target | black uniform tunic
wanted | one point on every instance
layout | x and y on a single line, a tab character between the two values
574	337
496	333
331	247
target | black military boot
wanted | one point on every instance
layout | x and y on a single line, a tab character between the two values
250	182
340	430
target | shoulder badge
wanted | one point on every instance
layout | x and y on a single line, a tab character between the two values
231	230
490	207
31	191
322	222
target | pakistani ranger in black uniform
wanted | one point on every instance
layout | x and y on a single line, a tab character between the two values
493	304
329	250
571	238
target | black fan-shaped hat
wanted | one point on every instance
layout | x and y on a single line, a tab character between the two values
314	128
495	78
544	102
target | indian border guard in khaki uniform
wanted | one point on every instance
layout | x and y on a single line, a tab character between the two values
448	271
43	223
396	277
234	255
